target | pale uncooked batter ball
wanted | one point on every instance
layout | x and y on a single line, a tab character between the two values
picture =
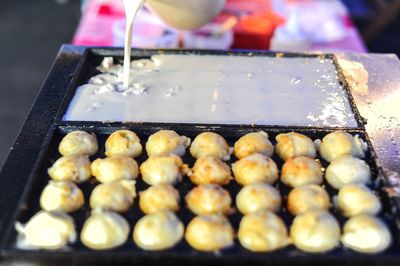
255	168
302	170
165	142
263	232
256	142
258	197
293	144
75	168
339	143
158	231
78	143
347	170
114	196
307	198
209	233
209	199
355	199
46	230
123	142
62	196
115	168
210	170
166	169
210	144
315	231
104	230
159	197
366	234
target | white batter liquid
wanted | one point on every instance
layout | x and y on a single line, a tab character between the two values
217	90
132	7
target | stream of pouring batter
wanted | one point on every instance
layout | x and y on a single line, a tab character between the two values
132	7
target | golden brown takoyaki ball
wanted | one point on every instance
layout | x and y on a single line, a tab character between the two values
366	234
302	170
78	143
115	168
158	231
256	142
209	199
63	196
339	143
165	142
258	197
210	170
123	142
46	230
114	196
210	144
355	199
263	232
209	233
104	230
158	198
75	168
307	198
166	169
255	168
347	170
315	231
293	144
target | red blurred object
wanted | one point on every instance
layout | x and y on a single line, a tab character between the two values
105	10
256	30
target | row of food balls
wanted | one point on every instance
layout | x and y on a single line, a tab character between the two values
314	229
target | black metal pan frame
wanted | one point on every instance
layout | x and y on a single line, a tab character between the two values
73	66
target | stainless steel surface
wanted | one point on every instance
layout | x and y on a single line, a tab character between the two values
379	104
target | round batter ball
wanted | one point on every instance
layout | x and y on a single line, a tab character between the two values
62	196
123	142
114	196
263	232
339	143
255	168
347	170
256	142
167	169
46	230
78	143
355	199
302	170
159	197
315	231
366	234
209	233
210	170
75	168
104	230
258	197
210	144
114	168
158	231
165	142
209	199
293	144
307	198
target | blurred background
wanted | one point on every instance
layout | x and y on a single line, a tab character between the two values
31	33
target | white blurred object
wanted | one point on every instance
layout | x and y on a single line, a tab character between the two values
322	20
150	32
291	36
208	37
186	14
